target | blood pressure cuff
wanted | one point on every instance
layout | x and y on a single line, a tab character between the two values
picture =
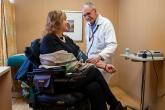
82	56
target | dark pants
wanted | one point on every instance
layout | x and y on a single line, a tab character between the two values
96	96
97	89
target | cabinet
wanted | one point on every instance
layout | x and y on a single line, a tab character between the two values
5	88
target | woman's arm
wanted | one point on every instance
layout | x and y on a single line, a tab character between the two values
107	67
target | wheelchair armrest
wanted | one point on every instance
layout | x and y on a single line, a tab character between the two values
56	71
62	80
57	75
75	76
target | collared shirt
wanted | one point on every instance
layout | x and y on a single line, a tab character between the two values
103	40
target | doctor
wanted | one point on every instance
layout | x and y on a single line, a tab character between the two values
100	36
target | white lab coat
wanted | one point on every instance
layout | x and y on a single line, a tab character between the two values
104	40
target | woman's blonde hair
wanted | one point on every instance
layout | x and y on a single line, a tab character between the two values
54	21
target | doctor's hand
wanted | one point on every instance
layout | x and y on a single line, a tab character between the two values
94	59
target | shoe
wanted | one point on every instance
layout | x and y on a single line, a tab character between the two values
119	107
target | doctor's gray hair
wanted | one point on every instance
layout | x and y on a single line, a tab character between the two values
89	4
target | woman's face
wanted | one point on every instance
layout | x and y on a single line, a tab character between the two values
64	26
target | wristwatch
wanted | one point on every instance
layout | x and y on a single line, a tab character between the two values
101	58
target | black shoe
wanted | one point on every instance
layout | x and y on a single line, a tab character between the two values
119	107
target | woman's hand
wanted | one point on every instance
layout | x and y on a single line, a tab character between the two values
109	68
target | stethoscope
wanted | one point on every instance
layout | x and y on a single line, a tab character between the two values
92	37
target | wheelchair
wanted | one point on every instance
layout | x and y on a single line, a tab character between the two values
49	89
52	90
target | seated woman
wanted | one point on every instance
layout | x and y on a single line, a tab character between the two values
94	85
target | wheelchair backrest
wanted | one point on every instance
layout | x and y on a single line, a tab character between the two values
33	52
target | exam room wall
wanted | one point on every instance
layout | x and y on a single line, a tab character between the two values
31	17
141	26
